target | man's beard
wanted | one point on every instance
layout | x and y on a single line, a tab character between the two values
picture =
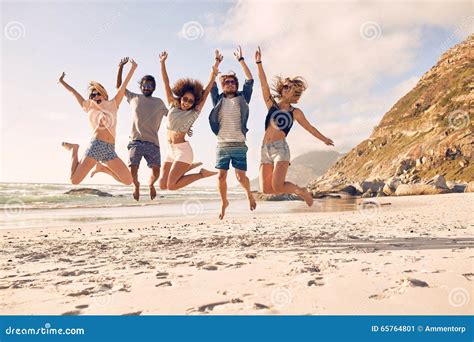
232	92
147	93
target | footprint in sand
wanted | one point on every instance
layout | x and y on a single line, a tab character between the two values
83	306
136	313
400	288
164	284
71	313
210	307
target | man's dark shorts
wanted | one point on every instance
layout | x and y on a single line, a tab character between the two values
138	149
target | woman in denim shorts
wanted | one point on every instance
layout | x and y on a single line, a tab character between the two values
275	152
102	115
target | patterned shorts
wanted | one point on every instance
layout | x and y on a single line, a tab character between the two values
138	149
101	151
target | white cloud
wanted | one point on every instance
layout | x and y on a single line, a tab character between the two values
347	72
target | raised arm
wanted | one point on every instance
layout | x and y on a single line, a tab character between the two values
240	57
166	80
123	61
267	97
301	119
123	87
78	96
212	79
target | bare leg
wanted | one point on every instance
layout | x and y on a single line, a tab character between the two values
281	186
79	170
136	183
99	167
222	186
117	169
177	179
245	182
266	175
194	165
164	174
153	178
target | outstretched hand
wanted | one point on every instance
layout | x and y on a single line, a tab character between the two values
328	142
61	78
219	57
238	53
123	61
258	55
133	62
163	56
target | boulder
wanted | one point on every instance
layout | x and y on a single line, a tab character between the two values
365	186
88	191
419	189
438	181
469	187
260	196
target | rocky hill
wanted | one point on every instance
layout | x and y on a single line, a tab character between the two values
428	132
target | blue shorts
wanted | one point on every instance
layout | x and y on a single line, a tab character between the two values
231	152
137	149
101	151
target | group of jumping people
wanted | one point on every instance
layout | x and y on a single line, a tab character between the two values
228	120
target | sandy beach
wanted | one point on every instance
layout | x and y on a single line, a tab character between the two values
399	255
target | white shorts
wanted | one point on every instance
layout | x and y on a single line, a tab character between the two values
182	152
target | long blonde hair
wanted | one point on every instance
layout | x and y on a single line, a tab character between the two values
93	85
299	85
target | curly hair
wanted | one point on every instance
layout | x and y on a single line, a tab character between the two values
185	85
299	85
93	85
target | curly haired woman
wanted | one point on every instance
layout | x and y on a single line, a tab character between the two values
187	98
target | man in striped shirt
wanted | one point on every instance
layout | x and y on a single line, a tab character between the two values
228	120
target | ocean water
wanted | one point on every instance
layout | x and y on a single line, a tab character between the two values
28	205
27	196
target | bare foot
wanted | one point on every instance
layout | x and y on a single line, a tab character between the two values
98	168
224	206
194	165
206	173
152	192
69	146
307	196
252	202
136	191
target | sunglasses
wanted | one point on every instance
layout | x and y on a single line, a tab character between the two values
94	95
148	86
287	86
187	100
229	82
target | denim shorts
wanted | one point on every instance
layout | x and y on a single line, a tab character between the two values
231	152
101	151
138	149
275	152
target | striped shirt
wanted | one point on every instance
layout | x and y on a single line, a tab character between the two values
230	121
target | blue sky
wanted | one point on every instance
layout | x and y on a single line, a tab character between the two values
354	76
